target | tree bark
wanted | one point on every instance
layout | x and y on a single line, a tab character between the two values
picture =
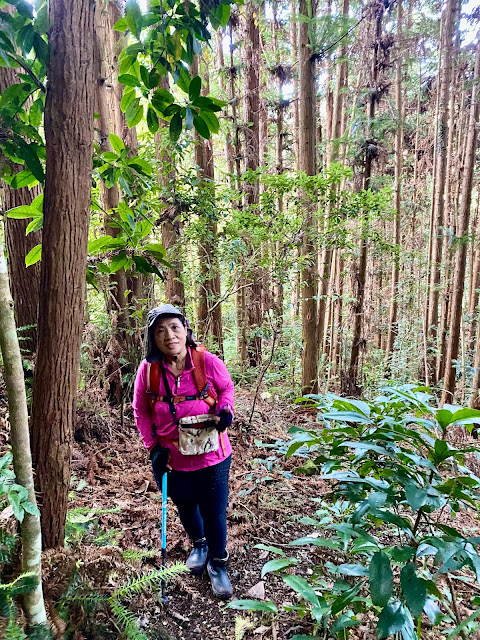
69	140
307	163
461	257
20	441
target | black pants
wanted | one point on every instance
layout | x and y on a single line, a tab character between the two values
201	499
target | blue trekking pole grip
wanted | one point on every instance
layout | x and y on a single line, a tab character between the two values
164	531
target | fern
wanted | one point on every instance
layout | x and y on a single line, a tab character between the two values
14	632
127	620
133	554
151	580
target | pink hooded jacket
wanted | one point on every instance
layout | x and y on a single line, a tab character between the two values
165	431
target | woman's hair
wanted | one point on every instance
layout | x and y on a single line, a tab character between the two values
153	353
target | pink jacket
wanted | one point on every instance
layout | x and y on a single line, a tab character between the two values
166	429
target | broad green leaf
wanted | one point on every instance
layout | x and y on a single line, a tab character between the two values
118	262
116	142
277	564
194	88
413	589
433	611
443	417
380	579
265	547
161	98
317	542
346	416
129	94
175	127
152	120
121	25
201	127
31	508
129	80
34	255
29	153
136	115
145	266
394	618
23	212
155	248
211	120
345	599
253	605
416	496
140	165
188	118
352	570
109	156
302	587
34	225
133	17
22	179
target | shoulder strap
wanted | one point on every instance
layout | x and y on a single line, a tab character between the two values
200	376
153	382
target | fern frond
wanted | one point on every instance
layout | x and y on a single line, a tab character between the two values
242	625
7	545
133	554
14	632
151	580
127	620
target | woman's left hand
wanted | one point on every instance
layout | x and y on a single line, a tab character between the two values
225	419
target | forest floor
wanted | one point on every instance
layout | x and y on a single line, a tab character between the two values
111	472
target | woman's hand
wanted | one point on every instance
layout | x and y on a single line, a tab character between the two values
160	457
225	419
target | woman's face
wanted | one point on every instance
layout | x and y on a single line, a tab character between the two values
170	336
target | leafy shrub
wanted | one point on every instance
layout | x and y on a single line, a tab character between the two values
395	480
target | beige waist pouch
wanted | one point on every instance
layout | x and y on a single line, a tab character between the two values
195	438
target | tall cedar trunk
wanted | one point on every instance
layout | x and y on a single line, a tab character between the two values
294	58
351	381
464	219
335	131
25	281
209	309
251	118
440	175
392	324
20	440
307	163
171	221
69	136
280	78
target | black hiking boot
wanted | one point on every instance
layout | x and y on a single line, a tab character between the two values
217	570
197	560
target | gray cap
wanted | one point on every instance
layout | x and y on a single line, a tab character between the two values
153	353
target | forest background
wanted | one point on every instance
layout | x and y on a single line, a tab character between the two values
301	179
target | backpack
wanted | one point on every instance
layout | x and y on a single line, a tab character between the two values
205	392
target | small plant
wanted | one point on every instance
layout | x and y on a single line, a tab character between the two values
389	551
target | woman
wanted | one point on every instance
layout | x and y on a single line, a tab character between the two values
197	481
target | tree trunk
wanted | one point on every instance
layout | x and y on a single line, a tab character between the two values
25	281
392	324
440	175
307	163
461	258
69	141
252	162
20	441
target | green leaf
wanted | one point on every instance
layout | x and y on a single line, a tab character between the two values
277	564
136	116
121	25
345	599
34	225
413	589
194	88
116	142
133	16
139	164
352	570
152	120
201	127
23	179
175	127
34	255
156	248
317	542
129	80
161	98
22	212
118	262
29	153
145	266
302	587
129	94
253	605
18	511
265	547
394	618
212	121
380	579
188	118
31	508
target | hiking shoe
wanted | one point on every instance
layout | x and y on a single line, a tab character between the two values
217	570
197	560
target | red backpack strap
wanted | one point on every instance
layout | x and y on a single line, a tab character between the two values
153	383
206	393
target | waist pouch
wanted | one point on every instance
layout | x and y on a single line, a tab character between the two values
196	437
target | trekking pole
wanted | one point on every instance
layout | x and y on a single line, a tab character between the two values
164	532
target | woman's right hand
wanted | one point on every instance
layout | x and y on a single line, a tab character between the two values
160	458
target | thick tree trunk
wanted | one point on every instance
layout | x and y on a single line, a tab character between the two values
20	441
69	136
25	281
307	163
461	257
